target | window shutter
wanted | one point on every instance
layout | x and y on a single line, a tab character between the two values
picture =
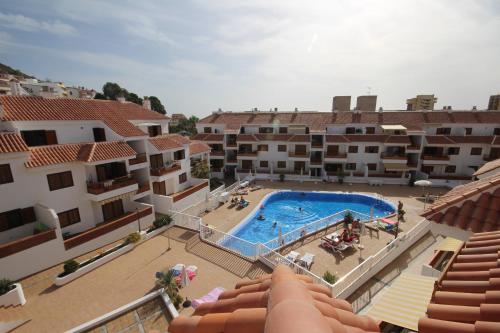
51	137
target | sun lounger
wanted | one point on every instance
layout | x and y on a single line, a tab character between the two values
244	184
307	260
293	256
212	296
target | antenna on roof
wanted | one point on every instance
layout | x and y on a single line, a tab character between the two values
369	91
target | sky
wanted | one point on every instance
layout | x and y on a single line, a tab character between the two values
198	56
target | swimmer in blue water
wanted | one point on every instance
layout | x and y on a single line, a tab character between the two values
274	224
261	217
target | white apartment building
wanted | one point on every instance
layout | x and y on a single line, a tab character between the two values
389	147
78	174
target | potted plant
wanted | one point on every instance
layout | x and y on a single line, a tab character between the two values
133	238
40	227
167	281
329	277
6	285
160	222
348	219
282	177
11	293
70	266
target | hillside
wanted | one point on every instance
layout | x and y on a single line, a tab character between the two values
10	70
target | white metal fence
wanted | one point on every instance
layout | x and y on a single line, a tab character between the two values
229	242
185	220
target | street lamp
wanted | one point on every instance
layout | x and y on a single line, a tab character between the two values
138	218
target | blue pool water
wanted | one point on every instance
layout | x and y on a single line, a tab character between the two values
283	207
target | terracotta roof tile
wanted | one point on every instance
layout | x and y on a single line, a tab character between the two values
466	298
114	114
439	140
474	206
300	138
12	143
336	138
168	141
490	166
273	137
196	147
400	139
366	137
209	137
78	152
281	302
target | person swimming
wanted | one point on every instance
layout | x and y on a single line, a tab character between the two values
275	224
261	217
300	209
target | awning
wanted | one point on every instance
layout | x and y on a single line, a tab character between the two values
393	127
405	301
450	244
396	167
121	196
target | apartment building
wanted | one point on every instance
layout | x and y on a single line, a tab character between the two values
494	102
366	103
421	102
365	147
78	174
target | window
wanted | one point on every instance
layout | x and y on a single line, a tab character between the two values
350	166
265	129
476	150
372	166
370	130
112	210
264	164
159	188
262	147
350	130
468	131
99	134
39	138
5	174
450	169
496	131
182	178
179	155
371	149
353	149
453	150
443	131
111	170
69	217
154	130
15	218
282	148
207	129
156	161
283	130
60	180
281	164
300	149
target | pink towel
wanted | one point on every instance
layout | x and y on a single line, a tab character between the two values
210	297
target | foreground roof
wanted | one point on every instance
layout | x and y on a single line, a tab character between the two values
168	141
466	298
279	302
114	114
78	152
490	166
474	206
12	143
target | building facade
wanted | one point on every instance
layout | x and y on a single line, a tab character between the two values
365	147
78	174
494	102
421	102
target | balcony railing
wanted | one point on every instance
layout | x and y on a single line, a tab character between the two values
143	188
217	153
316	162
231	144
247	153
232	160
299	154
413	147
187	192
106	227
391	156
139	158
27	242
317	144
165	169
436	157
110	185
335	155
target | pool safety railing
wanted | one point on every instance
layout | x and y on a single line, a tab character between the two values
229	242
185	220
313	227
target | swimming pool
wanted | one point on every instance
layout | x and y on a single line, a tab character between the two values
286	211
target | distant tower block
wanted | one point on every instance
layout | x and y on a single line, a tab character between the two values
494	103
421	102
341	103
366	103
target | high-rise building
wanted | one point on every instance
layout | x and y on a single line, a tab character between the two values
366	103
421	102
341	103
494	103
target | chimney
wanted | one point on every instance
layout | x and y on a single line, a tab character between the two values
275	109
474	108
146	103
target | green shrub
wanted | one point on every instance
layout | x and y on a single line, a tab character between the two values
162	221
70	266
40	227
133	238
6	285
348	218
329	277
282	178
178	300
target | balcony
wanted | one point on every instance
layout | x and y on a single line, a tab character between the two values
299	155
165	170
413	148
488	158
231	145
106	227
317	145
316	162
232	161
393	158
27	242
247	155
187	192
143	188
335	157
138	159
217	154
435	159
97	188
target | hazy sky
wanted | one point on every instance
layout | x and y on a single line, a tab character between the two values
197	56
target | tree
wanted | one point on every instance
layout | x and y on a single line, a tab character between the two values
132	97
99	96
156	105
186	125
112	90
200	170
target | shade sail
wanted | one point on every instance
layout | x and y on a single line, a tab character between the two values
393	128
